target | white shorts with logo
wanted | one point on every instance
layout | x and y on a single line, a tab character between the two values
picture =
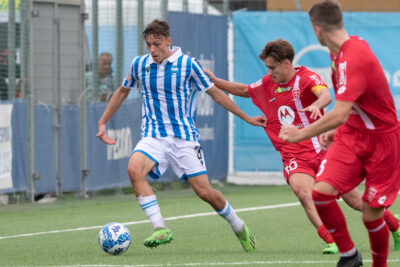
186	158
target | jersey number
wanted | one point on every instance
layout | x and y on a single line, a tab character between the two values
292	166
321	167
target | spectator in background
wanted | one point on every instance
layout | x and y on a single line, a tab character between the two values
3	75
106	81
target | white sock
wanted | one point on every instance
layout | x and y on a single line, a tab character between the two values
150	207
230	216
349	253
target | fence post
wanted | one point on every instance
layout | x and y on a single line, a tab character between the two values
24	47
119	43
140	24
11	49
30	110
205	7
185	6
84	170
95	50
57	102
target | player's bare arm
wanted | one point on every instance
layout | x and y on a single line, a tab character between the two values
324	99
238	89
326	139
337	116
115	102
228	104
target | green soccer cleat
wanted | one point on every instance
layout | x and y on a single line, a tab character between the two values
159	237
396	235
246	239
330	249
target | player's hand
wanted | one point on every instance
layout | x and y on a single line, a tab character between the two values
258	121
315	111
290	133
326	139
210	74
101	134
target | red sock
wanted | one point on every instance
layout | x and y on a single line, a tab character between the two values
325	235
333	219
391	221
379	240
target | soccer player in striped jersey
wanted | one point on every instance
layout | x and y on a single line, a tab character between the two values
170	82
292	96
367	140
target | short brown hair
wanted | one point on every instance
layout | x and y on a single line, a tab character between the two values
279	50
327	15
158	28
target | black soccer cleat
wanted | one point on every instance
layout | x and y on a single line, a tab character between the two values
352	261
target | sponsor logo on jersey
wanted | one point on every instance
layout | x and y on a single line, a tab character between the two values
174	70
317	80
296	92
341	89
285	115
382	200
342	73
371	193
256	84
282	89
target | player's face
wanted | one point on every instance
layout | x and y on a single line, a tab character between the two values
279	71
105	62
158	47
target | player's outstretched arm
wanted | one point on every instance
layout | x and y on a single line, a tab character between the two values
115	102
228	104
238	89
324	99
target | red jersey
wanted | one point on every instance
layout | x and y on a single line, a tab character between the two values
358	77
281	103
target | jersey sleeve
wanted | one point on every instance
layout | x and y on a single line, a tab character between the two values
131	80
351	81
256	92
199	78
315	83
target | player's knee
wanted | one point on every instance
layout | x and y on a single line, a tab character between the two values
135	173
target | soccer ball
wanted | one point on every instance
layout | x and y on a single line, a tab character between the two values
114	238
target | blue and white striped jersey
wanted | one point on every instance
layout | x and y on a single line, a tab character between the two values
169	94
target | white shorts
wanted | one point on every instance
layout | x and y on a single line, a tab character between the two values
185	157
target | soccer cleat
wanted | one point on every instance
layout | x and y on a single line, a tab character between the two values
159	237
352	261
330	249
246	239
396	235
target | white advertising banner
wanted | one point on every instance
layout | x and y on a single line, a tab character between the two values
5	146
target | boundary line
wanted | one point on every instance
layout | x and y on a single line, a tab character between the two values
251	263
148	221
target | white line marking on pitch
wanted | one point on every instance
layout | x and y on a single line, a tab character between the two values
211	263
147	221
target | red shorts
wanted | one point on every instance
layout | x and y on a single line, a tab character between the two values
356	156
304	165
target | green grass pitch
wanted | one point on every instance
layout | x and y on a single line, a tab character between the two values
284	235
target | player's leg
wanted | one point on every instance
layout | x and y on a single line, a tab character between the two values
353	199
206	192
143	161
378	233
324	196
302	184
340	172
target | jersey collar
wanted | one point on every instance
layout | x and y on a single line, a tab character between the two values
177	52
